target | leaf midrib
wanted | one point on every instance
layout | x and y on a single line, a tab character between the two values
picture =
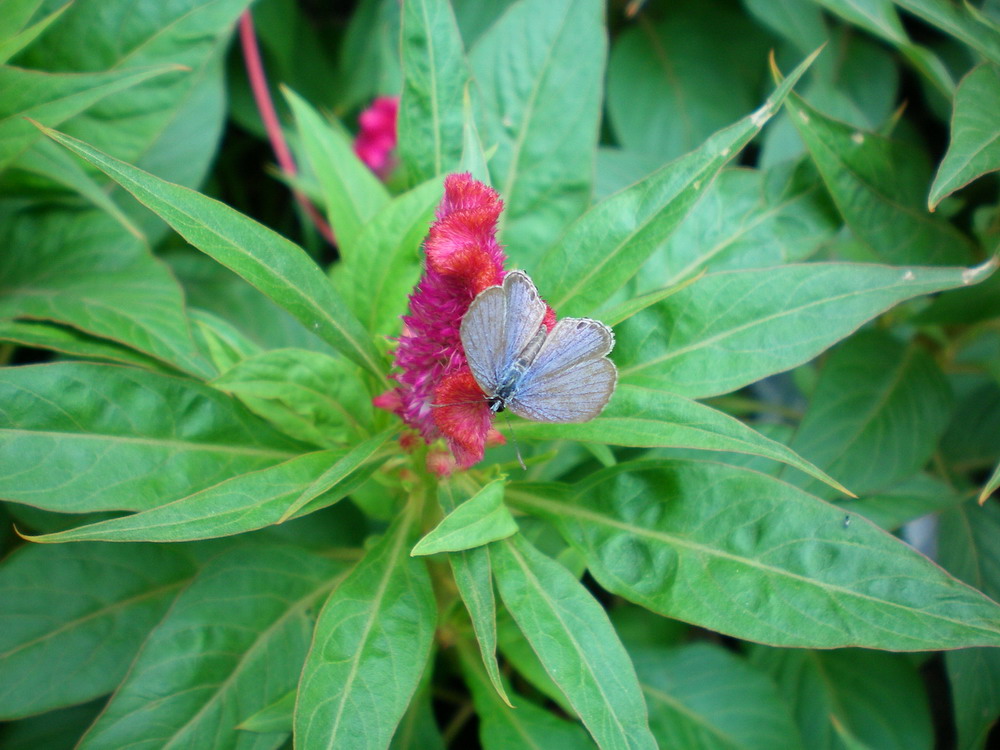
181	445
544	597
563	509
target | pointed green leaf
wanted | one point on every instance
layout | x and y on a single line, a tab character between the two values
243	628
974	149
541	110
352	193
700	343
388	259
960	21
435	75
967	546
473	156
244	503
73	617
742	553
354	459
473	575
370	647
878	186
81	437
82	269
747	219
11	45
991	485
526	727
876	415
606	246
308	395
652	418
702	695
831	688
51	98
277	267
66	340
575	642
481	519
276	717
675	78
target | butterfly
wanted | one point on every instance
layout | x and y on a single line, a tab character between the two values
562	375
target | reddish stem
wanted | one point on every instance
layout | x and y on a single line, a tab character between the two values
262	95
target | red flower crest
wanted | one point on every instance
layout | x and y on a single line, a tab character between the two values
438	395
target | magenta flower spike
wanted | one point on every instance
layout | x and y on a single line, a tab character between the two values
438	395
376	140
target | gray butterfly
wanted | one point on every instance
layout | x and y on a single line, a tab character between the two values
560	376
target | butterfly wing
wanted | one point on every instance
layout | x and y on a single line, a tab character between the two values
498	325
571	379
524	314
482	336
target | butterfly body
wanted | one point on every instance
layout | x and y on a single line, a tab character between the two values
562	375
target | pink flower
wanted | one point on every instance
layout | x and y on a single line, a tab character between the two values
438	395
377	138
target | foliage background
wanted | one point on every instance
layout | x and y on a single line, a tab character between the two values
151	395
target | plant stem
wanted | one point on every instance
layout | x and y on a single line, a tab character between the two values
262	96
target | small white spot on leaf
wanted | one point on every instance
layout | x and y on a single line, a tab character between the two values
908	276
858	138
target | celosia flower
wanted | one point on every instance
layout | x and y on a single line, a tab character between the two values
438	395
377	138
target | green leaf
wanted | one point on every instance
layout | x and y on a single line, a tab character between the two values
55	730
991	485
701	695
651	418
274	718
876	415
243	627
473	156
277	267
905	502
73	618
244	503
80	268
879	18
48	160
541	110
76	343
974	149
575	641
11	45
388	263
674	82
606	246
352	193
747	219
878	185
435	75
169	125
744	554
357	457
307	395
699	343
473	575
81	437
370	647
527	727
959	21
827	688
52	98
967	546
481	519
418	729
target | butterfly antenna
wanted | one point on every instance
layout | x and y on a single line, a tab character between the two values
517	448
